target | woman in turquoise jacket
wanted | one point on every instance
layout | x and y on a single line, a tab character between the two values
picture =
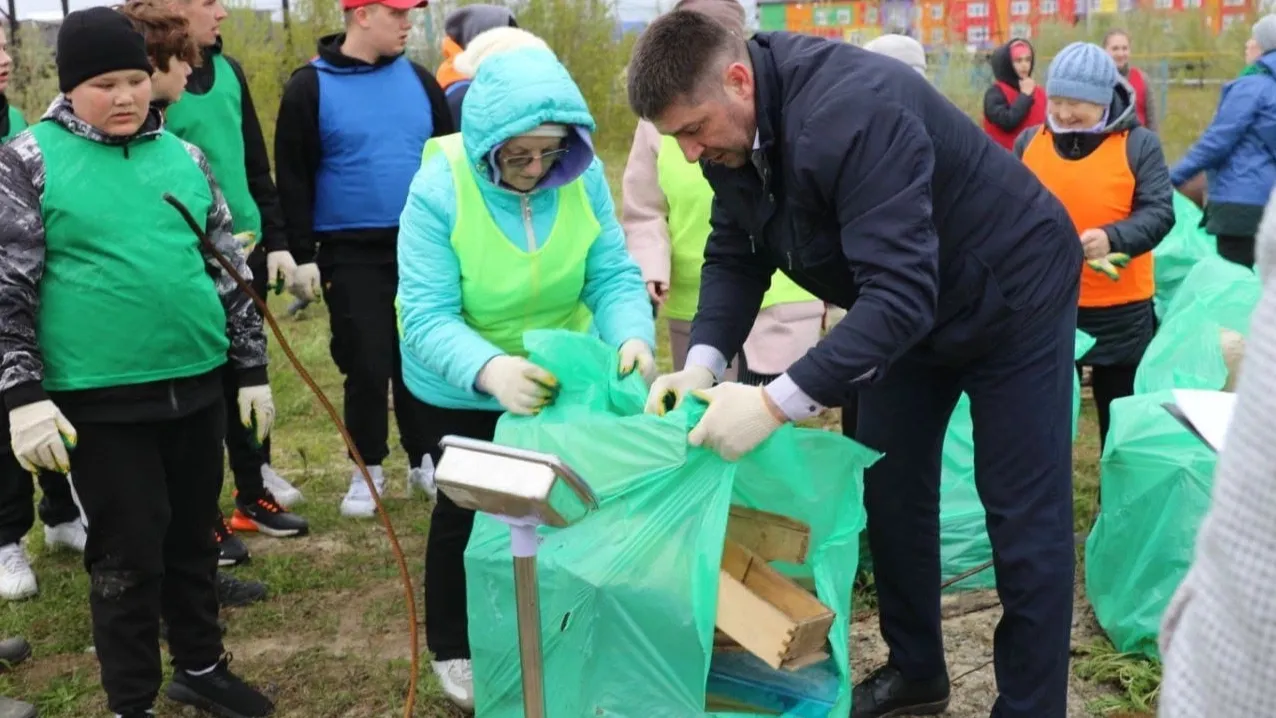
509	227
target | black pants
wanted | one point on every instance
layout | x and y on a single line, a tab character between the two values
246	459
446	621
149	492
17	494
1237	249
365	348
1109	383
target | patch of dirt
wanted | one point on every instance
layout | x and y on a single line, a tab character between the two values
43	670
322	545
969	621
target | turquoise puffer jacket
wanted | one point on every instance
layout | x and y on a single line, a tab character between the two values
511	93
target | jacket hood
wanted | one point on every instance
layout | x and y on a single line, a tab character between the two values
1003	70
60	112
330	52
515	92
464	23
1268	61
1121	113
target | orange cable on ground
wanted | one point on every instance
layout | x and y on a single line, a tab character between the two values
341	427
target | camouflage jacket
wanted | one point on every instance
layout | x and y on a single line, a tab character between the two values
22	261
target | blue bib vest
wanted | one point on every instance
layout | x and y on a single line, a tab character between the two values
373	125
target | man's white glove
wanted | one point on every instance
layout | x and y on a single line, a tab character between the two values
636	354
41	437
739	418
520	386
257	410
305	282
279	270
668	390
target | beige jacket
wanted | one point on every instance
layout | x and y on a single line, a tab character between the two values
781	334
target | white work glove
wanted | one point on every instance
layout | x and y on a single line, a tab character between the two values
279	270
739	418
257	410
636	354
41	437
305	282
668	390
520	386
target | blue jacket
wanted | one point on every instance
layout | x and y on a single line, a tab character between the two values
512	93
1238	149
874	192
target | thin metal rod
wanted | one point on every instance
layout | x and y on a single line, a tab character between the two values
527	596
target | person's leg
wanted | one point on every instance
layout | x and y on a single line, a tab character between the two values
119	479
1021	410
246	458
904	416
1109	383
17	516
1239	250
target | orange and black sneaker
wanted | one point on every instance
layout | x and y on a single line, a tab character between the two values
232	548
267	517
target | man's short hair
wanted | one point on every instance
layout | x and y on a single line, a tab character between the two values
680	57
166	32
728	12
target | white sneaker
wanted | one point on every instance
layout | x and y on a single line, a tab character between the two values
422	478
457	680
358	501
17	580
285	493
68	535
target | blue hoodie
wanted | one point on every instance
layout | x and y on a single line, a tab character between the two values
511	93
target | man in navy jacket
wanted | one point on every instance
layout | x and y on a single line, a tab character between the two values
850	173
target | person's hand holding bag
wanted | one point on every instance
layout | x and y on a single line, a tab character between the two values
257	410
41	437
636	354
518	384
668	390
739	418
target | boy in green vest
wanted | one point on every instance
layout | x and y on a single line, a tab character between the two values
11	120
115	335
216	114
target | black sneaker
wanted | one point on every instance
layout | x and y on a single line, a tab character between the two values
268	517
235	593
219	692
886	693
13	651
233	550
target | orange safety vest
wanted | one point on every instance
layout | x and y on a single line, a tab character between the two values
1097	190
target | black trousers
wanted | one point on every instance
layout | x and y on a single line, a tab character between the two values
246	459
1237	249
149	492
17	494
365	348
1109	383
446	620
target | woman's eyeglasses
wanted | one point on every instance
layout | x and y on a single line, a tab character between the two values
523	161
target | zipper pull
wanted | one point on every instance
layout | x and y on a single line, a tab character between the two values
753	247
790	256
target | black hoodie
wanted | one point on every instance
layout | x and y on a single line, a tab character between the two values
299	148
1007	115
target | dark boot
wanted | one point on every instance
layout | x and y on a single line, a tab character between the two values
219	692
14	651
231	592
886	693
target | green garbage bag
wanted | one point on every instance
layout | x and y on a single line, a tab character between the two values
963	530
1186	353
1155	479
1185	245
629	594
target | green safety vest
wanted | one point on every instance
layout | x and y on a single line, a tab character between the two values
17	123
690	198
506	291
214	122
125	298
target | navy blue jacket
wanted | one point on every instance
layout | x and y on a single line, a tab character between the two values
875	193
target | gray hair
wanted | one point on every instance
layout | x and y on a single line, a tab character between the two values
678	58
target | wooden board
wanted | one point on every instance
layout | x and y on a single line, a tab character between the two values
771	536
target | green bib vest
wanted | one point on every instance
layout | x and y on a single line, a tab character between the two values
17	123
214	122
506	291
690	198
125	298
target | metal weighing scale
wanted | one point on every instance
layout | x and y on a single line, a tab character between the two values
525	490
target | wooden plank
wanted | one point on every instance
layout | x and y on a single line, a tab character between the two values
771	536
751	621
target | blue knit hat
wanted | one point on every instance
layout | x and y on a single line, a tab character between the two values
1082	71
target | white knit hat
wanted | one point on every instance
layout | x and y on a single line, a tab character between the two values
494	42
901	47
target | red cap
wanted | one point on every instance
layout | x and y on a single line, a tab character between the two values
396	4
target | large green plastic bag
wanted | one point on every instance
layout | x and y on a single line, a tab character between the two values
1185	245
629	594
963	529
1155	483
1185	353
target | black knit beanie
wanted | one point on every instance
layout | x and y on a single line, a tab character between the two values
96	41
